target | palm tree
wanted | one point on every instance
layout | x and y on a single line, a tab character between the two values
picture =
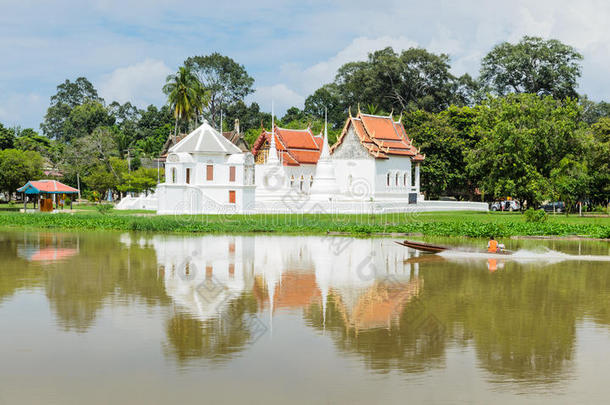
184	94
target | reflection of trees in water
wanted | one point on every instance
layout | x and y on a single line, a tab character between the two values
77	287
521	321
217	339
103	272
411	342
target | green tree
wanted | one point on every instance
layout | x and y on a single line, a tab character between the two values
17	167
100	179
521	139
184	94
69	95
534	65
294	114
592	111
141	180
7	138
28	139
445	138
85	118
86	153
598	160
327	98
410	80
570	181
250	117
225	80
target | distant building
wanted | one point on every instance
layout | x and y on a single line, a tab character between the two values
237	137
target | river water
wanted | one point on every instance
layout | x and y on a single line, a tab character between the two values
102	318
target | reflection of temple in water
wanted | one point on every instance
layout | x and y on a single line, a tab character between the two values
368	279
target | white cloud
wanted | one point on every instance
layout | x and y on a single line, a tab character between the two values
139	83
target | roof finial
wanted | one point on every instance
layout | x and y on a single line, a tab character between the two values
400	118
349	111
392	112
359	108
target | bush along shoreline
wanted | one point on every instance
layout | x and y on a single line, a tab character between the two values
469	226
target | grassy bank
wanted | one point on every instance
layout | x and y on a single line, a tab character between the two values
433	224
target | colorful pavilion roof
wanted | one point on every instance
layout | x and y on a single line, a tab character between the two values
46	186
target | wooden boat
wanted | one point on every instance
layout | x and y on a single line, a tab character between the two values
427	247
424	247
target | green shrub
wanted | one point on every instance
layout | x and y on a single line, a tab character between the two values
538	216
104	208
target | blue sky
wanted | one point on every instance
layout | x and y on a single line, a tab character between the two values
127	47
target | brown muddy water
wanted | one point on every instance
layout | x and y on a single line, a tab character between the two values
97	318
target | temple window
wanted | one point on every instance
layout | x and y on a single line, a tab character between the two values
388	180
231	173
397	179
301	183
188	176
291	181
209	172
405	179
310	181
173	175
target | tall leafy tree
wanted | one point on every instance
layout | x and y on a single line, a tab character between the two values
598	160
84	119
534	65
413	79
28	139
69	95
184	94
522	138
18	167
445	138
327	98
226	81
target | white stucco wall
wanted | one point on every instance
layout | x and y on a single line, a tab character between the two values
202	195
397	167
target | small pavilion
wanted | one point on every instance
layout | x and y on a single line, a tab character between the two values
47	192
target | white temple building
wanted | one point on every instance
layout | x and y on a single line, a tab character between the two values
372	168
206	173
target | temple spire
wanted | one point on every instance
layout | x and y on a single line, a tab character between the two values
325	148
272	157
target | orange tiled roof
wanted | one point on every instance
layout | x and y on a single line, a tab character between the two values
294	146
381	136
